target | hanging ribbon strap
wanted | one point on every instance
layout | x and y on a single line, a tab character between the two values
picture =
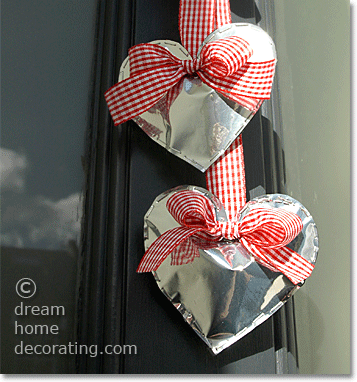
222	64
198	19
263	231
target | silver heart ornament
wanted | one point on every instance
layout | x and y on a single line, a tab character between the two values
192	120
224	292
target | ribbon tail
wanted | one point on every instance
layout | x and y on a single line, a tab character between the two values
137	94
163	246
285	260
185	253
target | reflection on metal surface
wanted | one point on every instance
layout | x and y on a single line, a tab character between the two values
192	120
225	293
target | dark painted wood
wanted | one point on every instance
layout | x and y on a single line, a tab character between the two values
126	170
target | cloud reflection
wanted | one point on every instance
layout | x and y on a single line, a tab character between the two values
34	221
12	170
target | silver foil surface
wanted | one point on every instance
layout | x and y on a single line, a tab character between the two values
225	293
192	120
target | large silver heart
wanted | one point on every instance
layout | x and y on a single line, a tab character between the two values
192	120
224	293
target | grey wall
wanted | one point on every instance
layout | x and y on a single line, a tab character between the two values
313	45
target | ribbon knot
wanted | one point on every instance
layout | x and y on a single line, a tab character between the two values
263	231
229	230
191	66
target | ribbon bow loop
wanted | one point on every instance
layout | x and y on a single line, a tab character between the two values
145	57
270	228
223	57
193	210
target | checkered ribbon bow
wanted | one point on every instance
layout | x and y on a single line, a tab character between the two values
222	64
264	232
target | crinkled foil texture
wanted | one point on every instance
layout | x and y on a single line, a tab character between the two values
224	293
194	122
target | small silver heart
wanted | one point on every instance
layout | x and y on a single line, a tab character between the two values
192	120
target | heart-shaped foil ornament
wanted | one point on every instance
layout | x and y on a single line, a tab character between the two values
223	292
192	120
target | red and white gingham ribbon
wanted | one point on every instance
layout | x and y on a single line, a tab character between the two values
222	64
226	179
265	232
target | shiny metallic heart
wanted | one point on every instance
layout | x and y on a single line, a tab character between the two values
225	293
192	120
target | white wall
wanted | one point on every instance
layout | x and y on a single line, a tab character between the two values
313	44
